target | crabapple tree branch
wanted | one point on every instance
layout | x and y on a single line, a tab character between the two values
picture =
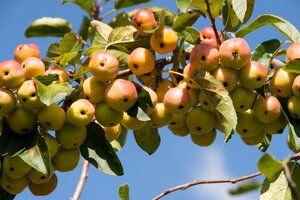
83	178
212	20
290	181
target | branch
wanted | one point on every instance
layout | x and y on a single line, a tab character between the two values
200	182
290	181
82	180
212	20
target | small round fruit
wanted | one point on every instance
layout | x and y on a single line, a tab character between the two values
51	143
37	177
93	90
71	136
228	76
162	87
180	130
43	189
253	75
204	102
13	186
15	167
33	67
66	159
293	52
113	132
7	101
178	120
27	94
154	99
80	113
247	124
193	92
267	109
62	74
235	53
164	40
144	20
255	139
52	117
204	57
177	100
12	75
141	61
106	115
294	106
24	51
131	122
242	98
281	83
160	116
277	126
296	86
208	36
104	66
204	140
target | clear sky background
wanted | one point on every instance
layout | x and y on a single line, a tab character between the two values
177	160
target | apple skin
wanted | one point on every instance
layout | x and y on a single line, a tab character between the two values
27	94
293	51
63	75
255	139
80	113
37	177
121	94
131	122
66	159
204	102
178	120
106	115
24	51
52	117
179	130
144	20
207	36
164	40
154	98
247	124
277	126
296	86
177	100
267	109
15	167
242	98
113	132
162	87
33	67
12	75
43	189
228	76
281	83
235	53
190	74
13	186
51	143
193	92
103	65
93	90
141	61
204	140
253	75
294	106
7	101
160	116
21	121
204	57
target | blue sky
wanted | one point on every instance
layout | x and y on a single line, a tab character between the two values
177	160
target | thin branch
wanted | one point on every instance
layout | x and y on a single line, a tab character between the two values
290	181
212	20
97	9
83	178
200	182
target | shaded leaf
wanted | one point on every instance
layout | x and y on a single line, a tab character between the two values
48	26
69	47
245	187
124	192
120	55
92	49
84	27
191	35
269	166
186	19
282	25
123	4
214	5
47	79
121	19
83	69
53	50
86	5
102	32
38	156
183	4
250	7
5	195
147	138
99	152
292	66
53	93
118	143
265	143
263	53
230	19
240	8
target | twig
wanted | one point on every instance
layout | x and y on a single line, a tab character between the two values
97	9
290	181
212	20
199	182
83	178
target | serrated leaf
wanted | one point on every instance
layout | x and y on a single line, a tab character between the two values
121	19
11	143
38	156
123	33
191	35
269	166
47	26
279	188
118	143
53	50
186	19
99	152
102	32
120	55
124	192
147	138
5	195
265	143
53	93
245	187
47	79
183	5
84	27
123	4
263	53
221	102
292	66
86	5
214	5
240	8
282	25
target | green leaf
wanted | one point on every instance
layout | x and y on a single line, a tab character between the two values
47	26
263	53
102	32
84	27
53	93
38	156
230	19
119	34
292	66
118	143
130	45
69	47
121	19
214	5
269	166
99	152
186	19
220	100
120	55
191	35
279	189
123	4
161	21
11	143
86	5
147	138
265	143
83	69
240	8
5	195
47	79
282	25
53	50
250	7
92	49
183	5
124	192
245	187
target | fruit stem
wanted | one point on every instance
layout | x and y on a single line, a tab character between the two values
212	20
